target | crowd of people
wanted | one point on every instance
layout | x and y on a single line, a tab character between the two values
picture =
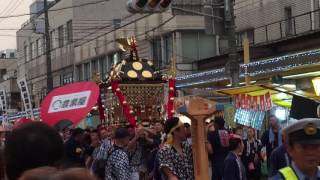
151	151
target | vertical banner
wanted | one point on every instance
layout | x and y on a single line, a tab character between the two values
243	101
25	95
248	101
3	106
237	101
268	101
255	103
262	103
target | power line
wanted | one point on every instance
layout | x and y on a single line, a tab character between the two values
13	8
53	10
82	30
115	29
3	12
153	29
108	25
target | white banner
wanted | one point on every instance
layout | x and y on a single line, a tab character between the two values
3	106
3	100
25	95
68	102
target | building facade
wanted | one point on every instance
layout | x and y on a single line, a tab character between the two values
9	54
283	35
8	80
83	40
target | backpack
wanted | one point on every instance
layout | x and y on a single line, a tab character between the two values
99	165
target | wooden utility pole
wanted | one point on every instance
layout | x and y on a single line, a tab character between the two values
246	57
233	63
48	47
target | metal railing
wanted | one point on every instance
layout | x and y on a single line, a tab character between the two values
286	28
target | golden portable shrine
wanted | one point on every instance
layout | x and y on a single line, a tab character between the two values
134	92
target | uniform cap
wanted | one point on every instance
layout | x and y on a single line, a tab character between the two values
304	131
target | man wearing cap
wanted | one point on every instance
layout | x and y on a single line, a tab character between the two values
304	149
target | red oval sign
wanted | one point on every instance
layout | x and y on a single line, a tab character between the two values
70	102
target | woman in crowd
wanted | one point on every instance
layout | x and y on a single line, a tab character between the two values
233	167
250	157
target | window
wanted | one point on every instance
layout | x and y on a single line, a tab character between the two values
94	66
25	53
116	23
79	72
86	71
103	65
37	47
12	55
190	46
288	22
197	46
156	53
168	43
40	46
61	36
33	50
53	39
66	78
116	57
69	32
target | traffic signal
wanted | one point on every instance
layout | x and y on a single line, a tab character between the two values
148	6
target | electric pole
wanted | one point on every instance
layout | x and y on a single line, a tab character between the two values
48	47
233	63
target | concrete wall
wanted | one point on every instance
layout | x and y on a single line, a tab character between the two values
255	13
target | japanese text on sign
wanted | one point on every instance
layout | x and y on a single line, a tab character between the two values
68	102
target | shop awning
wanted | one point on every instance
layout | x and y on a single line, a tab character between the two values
281	94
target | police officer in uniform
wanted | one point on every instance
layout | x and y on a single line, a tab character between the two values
304	149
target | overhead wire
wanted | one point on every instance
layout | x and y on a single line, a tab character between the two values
7	7
110	30
13	9
53	10
121	26
152	29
